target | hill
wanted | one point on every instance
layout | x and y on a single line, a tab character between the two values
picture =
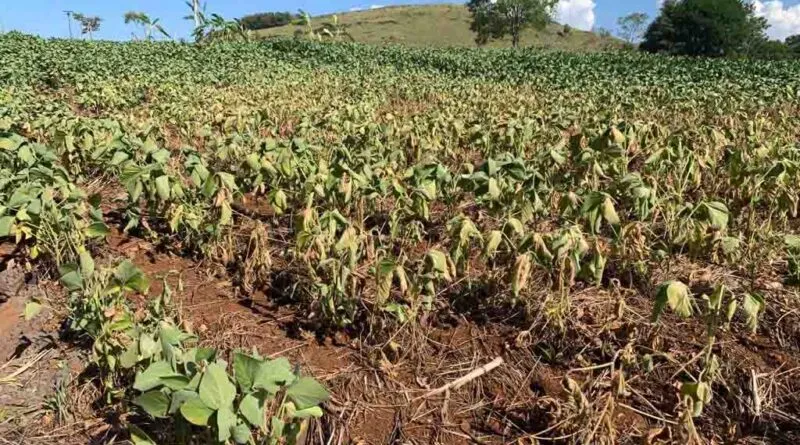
443	25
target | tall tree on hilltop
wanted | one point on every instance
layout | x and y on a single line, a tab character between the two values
149	25
632	26
711	28
89	23
495	19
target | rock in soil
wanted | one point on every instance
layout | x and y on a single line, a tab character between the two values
11	281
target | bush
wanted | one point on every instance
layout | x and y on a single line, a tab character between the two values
711	28
267	20
771	50
793	43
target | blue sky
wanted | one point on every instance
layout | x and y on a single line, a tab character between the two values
46	17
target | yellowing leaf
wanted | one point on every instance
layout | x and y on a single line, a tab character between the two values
522	270
196	412
677	296
32	309
753	305
609	213
162	187
492	243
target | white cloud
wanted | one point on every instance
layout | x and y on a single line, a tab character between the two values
576	13
361	8
784	20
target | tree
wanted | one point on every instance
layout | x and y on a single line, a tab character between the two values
495	19
602	32
712	28
632	26
793	42
89	24
217	28
148	25
197	13
331	30
267	20
69	21
770	50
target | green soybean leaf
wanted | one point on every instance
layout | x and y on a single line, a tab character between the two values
150	378
196	412
306	392
514	227
245	369
6	223
119	157
226	421
155	403
131	277
216	390
273	374
175	381
97	230
130	357
718	214
252	409
139	437
178	398
71	279
438	261
314	412
276	429
241	434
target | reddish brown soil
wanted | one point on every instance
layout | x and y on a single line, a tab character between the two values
379	387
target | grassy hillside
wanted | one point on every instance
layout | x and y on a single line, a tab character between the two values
441	26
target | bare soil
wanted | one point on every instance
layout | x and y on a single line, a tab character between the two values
556	383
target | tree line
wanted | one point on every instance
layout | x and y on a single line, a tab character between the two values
707	28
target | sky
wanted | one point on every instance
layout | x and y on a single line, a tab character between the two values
47	17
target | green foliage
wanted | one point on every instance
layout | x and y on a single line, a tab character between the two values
677	296
380	186
215	28
712	28
632	26
148	25
89	24
793	42
42	205
171	378
441	25
494	19
771	50
267	20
